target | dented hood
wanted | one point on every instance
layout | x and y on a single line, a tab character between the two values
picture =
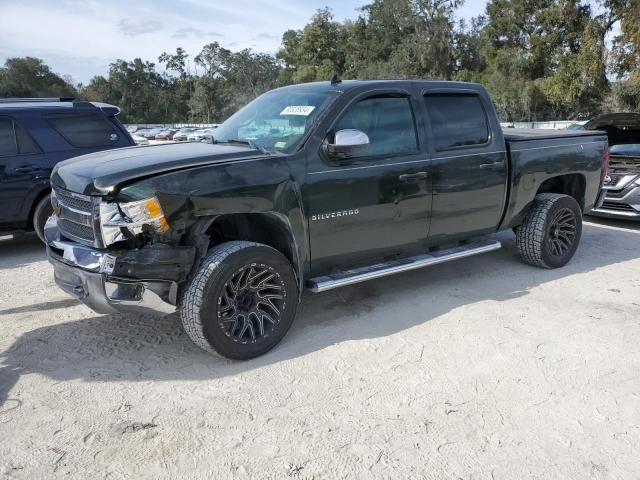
102	172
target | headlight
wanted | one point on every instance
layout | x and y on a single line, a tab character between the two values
120	221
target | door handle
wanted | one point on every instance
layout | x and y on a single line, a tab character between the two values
25	169
497	164
407	177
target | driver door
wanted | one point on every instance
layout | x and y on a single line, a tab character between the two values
374	206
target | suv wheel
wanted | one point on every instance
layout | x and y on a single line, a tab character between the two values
241	302
41	213
550	234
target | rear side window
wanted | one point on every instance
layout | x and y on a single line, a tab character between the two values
387	120
14	140
457	120
8	145
84	131
26	145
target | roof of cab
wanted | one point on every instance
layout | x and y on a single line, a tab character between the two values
344	85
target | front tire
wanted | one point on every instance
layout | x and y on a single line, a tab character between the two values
41	213
241	302
550	234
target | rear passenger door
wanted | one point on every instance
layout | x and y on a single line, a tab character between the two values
20	168
469	165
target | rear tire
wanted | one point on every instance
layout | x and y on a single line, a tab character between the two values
241	302
41	213
550	234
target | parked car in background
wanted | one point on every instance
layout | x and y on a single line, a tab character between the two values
166	134
199	135
149	134
36	134
139	139
622	183
182	134
141	131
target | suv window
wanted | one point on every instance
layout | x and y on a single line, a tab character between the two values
8	144
14	140
387	120
26	144
89	130
457	120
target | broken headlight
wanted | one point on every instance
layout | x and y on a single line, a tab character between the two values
121	221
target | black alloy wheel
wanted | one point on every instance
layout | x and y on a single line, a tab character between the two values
241	301
251	303
562	232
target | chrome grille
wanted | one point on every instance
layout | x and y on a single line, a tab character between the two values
76	230
77	216
74	200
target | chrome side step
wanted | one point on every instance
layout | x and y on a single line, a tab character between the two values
357	275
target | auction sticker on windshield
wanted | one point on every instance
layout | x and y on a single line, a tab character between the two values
304	110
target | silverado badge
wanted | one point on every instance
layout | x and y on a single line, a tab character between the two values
330	215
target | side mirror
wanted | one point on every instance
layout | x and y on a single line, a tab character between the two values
208	139
347	143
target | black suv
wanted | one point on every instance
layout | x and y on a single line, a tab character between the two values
36	134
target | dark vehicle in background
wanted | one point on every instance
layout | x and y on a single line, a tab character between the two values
313	187
36	134
622	184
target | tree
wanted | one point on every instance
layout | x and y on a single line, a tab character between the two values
176	63
316	52
137	88
540	59
211	59
30	77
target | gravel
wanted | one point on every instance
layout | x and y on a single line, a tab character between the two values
485	368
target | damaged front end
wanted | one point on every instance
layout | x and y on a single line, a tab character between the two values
116	257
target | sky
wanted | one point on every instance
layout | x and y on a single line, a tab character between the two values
81	37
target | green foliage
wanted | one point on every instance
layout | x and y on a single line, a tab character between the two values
30	77
540	60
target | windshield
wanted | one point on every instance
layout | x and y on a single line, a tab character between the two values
275	120
625	149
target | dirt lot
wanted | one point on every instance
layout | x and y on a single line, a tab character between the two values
481	369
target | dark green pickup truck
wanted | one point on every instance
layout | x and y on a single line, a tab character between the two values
313	186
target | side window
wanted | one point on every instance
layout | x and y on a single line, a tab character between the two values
8	144
26	144
88	130
387	120
457	120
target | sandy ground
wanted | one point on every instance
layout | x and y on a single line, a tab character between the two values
481	369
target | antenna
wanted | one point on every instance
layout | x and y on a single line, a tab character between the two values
335	80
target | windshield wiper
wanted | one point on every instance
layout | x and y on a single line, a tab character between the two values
242	141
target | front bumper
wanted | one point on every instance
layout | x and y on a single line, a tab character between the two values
622	200
84	273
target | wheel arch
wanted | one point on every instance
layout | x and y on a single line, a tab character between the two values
268	228
571	184
34	203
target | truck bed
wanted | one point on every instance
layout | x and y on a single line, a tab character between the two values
534	156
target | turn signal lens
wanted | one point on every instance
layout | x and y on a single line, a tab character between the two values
154	209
